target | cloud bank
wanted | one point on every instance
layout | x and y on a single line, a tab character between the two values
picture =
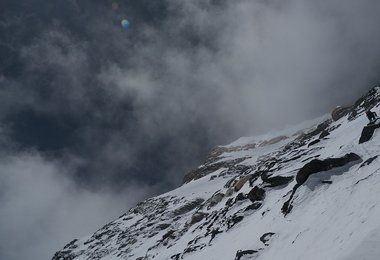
41	208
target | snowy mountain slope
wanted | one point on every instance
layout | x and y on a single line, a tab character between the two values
308	192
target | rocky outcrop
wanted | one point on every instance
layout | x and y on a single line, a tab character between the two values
276	180
212	211
241	253
316	166
198	216
254	206
240	183
215	199
367	101
256	194
163	226
314	142
232	167
324	134
320	128
266	237
369	161
305	138
368	132
189	206
340	111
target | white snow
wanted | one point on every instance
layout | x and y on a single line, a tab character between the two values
338	221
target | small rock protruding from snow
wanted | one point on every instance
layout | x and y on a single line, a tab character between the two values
256	194
242	253
266	237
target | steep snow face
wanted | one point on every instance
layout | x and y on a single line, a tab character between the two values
247	201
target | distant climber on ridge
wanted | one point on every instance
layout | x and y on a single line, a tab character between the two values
372	116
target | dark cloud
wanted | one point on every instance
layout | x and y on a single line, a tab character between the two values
106	108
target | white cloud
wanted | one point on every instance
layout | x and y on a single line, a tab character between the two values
41	209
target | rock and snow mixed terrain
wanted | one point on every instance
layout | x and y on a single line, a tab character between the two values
308	192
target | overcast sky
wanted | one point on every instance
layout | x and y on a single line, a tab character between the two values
94	117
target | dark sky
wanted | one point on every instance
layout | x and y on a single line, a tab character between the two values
56	55
94	118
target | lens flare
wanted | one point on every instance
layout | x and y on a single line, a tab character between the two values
125	23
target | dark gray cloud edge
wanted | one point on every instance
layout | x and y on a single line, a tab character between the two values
94	117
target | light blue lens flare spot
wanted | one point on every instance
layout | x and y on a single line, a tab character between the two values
125	23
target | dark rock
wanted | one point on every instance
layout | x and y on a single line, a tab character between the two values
320	128
193	249
269	163
198	216
212	167
324	134
71	245
367	101
230	202
240	196
214	232
240	183
367	132
256	194
254	206
317	165
265	237
240	253
234	220
152	234
177	218
265	212
229	182
63	255
305	138
253	179
316	156
215	199
189	206
276	181
287	207
200	172
175	257
340	112
368	161
169	234
314	142
293	158
163	226
229	192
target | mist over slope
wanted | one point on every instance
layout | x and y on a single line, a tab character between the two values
308	191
